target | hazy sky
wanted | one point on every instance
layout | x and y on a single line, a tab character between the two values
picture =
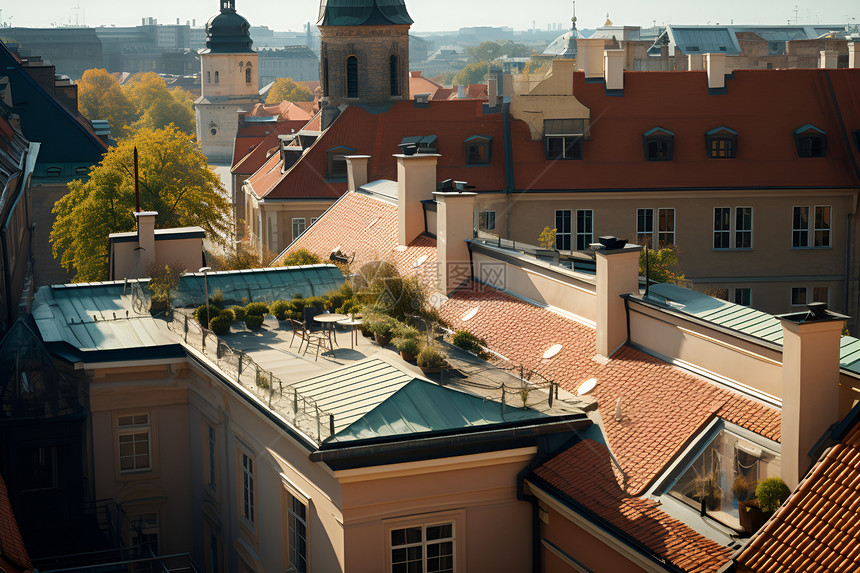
430	15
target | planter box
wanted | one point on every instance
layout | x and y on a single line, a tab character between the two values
752	518
407	356
382	340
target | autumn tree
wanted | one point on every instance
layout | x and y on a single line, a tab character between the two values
100	97
158	106
175	181
287	89
662	265
489	51
472	74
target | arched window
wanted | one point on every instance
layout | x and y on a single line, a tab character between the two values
352	76
325	77
392	75
216	77
248	75
208	77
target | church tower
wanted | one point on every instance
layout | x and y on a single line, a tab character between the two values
229	81
364	51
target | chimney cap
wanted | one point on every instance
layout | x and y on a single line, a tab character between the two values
146	213
408	148
817	312
611	242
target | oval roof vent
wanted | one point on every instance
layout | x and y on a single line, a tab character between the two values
469	314
586	386
552	351
420	261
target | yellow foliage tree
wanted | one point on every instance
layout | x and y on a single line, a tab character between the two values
100	97
287	89
158	106
175	181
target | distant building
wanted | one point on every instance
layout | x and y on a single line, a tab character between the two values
71	50
297	62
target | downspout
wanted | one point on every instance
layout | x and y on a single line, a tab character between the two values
845	293
509	163
523	496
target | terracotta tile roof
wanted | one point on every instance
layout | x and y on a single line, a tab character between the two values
584	473
253	142
755	106
663	406
285	111
11	544
366	226
418	84
378	134
818	527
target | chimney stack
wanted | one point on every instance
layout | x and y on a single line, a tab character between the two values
854	55
589	57
613	65
461	92
617	274
715	65
455	224
810	384
696	62
356	171
416	182
145	239
828	60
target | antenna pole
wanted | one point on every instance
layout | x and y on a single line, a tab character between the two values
136	185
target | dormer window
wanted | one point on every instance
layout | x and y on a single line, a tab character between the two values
53	172
659	144
336	168
563	138
722	143
478	150
810	141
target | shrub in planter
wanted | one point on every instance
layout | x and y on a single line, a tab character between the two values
316	302
228	313
740	488
351	306
257	308
282	309
220	324
405	331
239	313
217	297
469	342
254	321
751	516
200	314
298	303
408	347
770	493
382	327
431	357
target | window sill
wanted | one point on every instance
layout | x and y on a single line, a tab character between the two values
811	248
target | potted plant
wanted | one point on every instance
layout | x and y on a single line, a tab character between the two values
740	488
382	328
769	495
706	489
431	359
408	347
469	342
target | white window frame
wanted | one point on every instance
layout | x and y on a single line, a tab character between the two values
645	233
738	291
303	223
152	526
246	501
816	229
733	233
584	237
663	217
134	428
811	231
293	520
424	543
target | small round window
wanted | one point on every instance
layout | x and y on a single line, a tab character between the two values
213	131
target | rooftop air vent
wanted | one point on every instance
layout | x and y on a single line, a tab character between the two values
408	148
422	98
818	310
610	242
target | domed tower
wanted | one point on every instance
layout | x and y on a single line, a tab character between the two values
364	51
229	80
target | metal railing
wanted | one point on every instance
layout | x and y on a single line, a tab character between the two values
282	398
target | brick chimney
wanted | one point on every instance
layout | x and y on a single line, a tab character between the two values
613	67
715	66
617	274
455	224
356	171
810	384
416	182
145	240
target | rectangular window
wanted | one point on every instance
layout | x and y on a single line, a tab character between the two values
298	227
248	488
423	548
562	229
297	525
822	226
821	294
478	150
800	227
143	532
38	468
134	443
743	227
743	296
487	220
798	296
563	138
584	228
666	229
211	457
645	227
722	227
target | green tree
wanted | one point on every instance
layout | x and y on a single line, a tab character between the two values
662	265
444	79
489	51
100	97
287	89
537	66
472	74
158	106
175	181
301	257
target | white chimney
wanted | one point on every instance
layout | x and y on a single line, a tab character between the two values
145	240
854	55
696	62
613	65
492	91
715	65
589	57
455	224
416	182
828	59
356	171
810	385
617	274
461	92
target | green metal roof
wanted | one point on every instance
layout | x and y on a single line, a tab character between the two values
373	399
260	284
741	319
363	13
